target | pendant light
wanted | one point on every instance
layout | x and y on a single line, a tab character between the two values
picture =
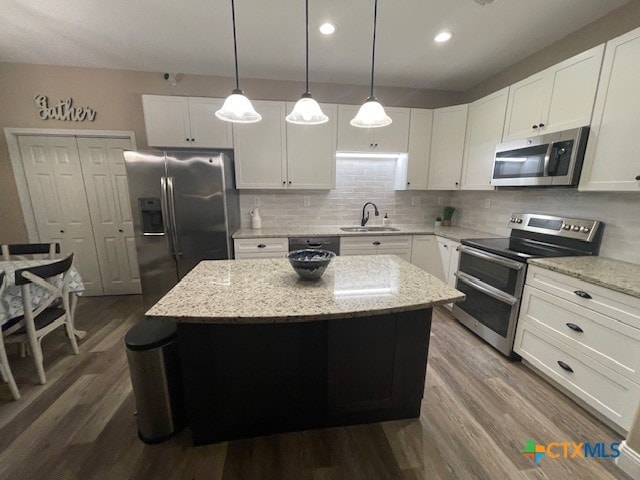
237	108
306	110
371	113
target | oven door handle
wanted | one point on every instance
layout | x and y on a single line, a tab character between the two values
505	262
486	289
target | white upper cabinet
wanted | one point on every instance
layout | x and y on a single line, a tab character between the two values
207	130
575	82
485	123
352	139
612	161
395	137
173	121
166	120
558	98
261	148
447	147
392	138
311	152
412	171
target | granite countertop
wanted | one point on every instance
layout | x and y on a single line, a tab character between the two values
269	291
452	233
615	275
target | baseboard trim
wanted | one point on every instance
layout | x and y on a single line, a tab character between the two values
629	461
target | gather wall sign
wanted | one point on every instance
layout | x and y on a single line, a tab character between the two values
63	110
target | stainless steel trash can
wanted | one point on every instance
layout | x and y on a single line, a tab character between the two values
154	366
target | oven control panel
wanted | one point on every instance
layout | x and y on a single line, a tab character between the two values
551	225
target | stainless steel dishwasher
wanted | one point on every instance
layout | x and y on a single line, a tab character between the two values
324	243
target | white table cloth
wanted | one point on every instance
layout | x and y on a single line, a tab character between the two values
11	300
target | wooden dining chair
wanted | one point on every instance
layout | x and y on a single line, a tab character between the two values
19	251
49	315
5	368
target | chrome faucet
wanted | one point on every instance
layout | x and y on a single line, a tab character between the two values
365	219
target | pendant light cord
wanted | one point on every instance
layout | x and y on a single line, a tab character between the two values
306	90
373	50
235	41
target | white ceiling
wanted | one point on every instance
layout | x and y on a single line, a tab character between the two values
194	36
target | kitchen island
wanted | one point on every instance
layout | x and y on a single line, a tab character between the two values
263	351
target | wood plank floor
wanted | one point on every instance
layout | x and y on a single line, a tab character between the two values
477	413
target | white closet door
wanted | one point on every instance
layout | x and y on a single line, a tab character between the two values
106	185
54	178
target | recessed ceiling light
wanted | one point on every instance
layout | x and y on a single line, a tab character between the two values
443	36
327	28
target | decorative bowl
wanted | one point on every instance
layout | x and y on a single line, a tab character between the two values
310	263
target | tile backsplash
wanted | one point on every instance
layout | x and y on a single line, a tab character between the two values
357	181
619	211
363	179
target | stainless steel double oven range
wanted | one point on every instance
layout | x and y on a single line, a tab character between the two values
492	271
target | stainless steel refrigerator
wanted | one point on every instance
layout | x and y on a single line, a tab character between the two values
185	209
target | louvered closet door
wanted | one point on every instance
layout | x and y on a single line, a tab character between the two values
108	195
55	183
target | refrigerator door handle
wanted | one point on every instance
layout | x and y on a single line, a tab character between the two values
172	218
165	214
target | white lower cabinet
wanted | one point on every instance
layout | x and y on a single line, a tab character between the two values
261	247
449	258
425	254
399	245
589	346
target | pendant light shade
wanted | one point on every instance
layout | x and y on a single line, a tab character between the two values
306	110
371	113
237	108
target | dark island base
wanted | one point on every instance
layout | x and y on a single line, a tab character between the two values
249	380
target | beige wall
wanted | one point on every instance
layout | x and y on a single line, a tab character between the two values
115	95
614	24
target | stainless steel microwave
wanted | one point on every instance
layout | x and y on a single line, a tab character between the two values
554	159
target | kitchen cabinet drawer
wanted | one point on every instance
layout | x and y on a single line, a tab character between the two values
611	343
613	395
621	307
275	247
382	242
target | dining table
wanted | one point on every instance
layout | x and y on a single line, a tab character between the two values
11	305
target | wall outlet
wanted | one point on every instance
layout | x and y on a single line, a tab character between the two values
256	201
415	200
487	203
440	201
307	201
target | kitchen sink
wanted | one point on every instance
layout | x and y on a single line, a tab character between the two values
369	229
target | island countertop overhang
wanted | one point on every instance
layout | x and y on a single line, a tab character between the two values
269	291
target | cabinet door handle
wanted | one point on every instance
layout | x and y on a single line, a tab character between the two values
61	231
565	366
284	182
535	127
120	230
376	243
408	183
262	245
445	245
582	294
574	327
187	140
289	182
541	125
638	177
